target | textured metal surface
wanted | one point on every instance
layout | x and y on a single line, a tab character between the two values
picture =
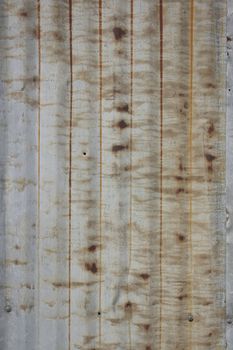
229	181
112	155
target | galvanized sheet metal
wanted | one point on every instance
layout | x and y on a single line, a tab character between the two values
112	175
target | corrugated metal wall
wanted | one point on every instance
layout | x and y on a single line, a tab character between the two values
112	175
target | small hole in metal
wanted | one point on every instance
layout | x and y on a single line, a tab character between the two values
99	313
84	153
190	318
8	308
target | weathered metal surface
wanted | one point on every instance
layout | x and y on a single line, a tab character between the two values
112	154
229	182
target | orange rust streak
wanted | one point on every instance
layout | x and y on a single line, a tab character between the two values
101	157
191	39
70	166
161	165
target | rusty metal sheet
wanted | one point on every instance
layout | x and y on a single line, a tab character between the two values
112	153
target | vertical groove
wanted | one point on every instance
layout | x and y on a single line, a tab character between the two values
131	123
190	161
101	160
131	161
70	168
161	168
38	164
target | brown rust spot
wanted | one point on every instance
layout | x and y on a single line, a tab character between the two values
27	285
16	262
128	310
203	256
119	33
36	33
146	327
58	36
23	13
148	347
210	157
181	237
211	85
186	105
92	248
144	276
180	190
182	296
91	267
17	247
122	124
25	307
123	108
128	306
72	285
207	303
119	148
179	178
211	129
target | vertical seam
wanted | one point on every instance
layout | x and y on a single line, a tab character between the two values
38	160
70	167
161	168
191	39
101	160
131	160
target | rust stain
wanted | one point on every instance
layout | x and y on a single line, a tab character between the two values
91	267
58	36
123	108
210	157
211	128
181	238
119	148
182	296
25	307
92	248
211	85
119	33
73	284
128	310
122	124
145	276
23	13
146	327
180	190
16	262
161	171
